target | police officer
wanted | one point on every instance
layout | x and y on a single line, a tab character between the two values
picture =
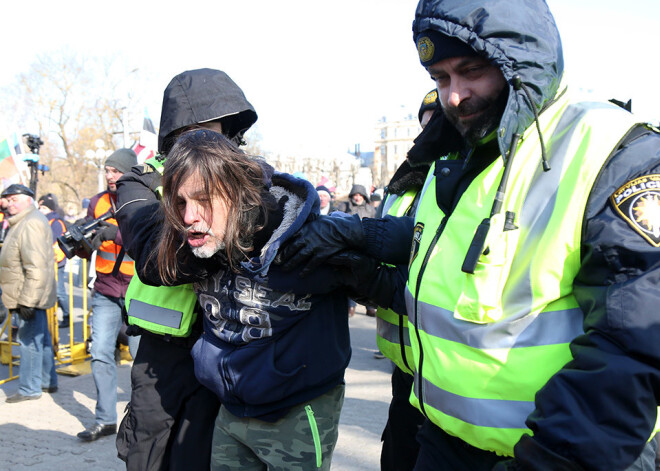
170	418
534	255
400	447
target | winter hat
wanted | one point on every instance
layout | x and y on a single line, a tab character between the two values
430	102
17	189
321	188
122	160
48	200
433	46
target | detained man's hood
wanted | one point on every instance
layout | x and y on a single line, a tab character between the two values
519	36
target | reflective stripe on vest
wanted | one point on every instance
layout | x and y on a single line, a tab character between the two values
392	335
165	310
485	343
107	253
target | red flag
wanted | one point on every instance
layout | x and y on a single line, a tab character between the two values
146	146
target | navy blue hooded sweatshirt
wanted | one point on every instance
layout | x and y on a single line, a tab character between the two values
271	339
266	348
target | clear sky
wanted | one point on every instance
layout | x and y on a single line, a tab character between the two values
320	74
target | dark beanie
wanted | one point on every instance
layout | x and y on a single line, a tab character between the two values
434	46
48	200
122	160
17	189
430	102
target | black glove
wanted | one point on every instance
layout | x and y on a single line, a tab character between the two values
318	240
368	280
105	231
152	179
26	313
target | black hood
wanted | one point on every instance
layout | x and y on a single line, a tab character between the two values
198	96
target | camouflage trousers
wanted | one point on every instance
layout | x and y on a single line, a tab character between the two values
304	439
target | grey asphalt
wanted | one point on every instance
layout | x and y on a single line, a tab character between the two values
41	434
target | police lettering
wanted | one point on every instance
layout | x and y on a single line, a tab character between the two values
648	182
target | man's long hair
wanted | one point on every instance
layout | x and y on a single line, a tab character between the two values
225	172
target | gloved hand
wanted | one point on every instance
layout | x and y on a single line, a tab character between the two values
148	176
26	313
105	231
368	280
318	240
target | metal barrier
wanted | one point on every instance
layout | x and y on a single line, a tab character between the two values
6	356
70	357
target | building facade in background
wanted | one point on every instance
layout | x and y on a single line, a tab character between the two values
394	136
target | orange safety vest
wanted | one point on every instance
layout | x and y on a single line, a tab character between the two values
107	253
59	255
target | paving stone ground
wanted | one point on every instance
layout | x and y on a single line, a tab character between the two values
41	435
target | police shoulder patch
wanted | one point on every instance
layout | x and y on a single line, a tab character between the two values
431	97
638	203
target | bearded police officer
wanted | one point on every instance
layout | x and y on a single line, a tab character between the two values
533	261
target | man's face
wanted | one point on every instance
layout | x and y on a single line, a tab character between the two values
18	203
469	89
205	217
325	199
357	198
111	177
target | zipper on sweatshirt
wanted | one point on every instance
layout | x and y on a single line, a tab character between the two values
315	435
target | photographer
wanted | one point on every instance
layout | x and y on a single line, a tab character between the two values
28	289
108	297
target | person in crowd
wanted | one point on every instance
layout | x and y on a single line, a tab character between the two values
48	207
376	199
4	226
170	418
325	199
358	203
274	350
532	256
114	270
400	446
27	278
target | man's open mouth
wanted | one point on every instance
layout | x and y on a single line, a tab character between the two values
197	239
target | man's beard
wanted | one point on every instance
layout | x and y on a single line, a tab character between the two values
210	248
481	126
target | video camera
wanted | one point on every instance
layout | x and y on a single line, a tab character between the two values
77	240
